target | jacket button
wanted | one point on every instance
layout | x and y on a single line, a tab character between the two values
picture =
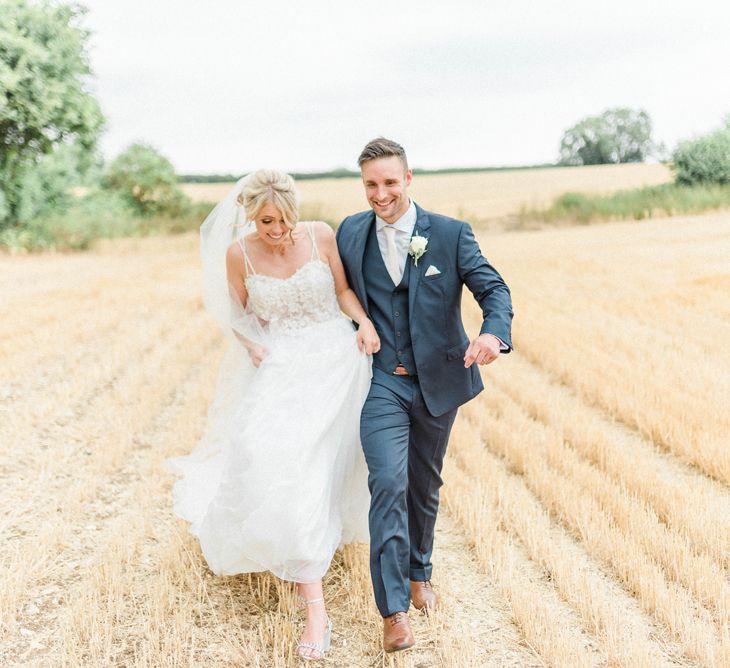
397	333
397	313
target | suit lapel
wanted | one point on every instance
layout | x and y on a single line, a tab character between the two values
423	227
359	242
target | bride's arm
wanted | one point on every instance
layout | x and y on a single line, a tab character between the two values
236	273
367	337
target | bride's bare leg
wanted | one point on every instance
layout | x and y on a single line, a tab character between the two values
316	617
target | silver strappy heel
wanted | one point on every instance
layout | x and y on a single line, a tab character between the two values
320	648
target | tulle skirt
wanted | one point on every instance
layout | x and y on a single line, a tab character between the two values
279	480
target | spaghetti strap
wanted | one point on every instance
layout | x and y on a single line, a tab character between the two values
250	271
315	250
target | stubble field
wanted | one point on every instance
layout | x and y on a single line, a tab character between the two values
586	508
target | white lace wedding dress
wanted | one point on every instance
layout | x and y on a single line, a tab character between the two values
279	480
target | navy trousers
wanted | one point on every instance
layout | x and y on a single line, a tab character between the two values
404	447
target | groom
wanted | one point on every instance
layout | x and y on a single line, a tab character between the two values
408	267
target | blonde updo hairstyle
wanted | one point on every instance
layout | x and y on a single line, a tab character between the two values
270	186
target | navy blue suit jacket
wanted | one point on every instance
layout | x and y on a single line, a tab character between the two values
437	332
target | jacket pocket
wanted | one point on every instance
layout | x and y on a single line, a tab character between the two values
435	277
457	351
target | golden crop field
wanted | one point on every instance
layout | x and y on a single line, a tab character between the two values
586	508
472	196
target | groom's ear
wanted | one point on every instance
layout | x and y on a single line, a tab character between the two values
408	176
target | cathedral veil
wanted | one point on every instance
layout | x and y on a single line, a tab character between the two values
225	223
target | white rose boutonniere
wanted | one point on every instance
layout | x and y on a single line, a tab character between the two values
417	247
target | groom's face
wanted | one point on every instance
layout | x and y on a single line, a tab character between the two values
386	182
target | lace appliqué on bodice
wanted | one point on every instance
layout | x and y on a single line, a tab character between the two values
286	304
304	299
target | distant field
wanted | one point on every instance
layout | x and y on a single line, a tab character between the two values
586	508
472	196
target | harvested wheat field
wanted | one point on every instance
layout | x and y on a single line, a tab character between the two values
586	511
473	196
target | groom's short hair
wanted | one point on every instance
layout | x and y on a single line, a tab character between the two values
380	147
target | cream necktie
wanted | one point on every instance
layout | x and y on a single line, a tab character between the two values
391	254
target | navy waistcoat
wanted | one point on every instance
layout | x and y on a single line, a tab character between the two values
388	309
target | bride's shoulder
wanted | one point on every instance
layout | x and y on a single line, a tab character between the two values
323	235
235	249
322	231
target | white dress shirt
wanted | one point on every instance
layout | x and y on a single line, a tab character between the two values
403	232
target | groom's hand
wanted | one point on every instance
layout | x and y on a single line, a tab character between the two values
482	350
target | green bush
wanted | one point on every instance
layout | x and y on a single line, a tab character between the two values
45	187
704	159
98	215
147	181
187	220
667	199
94	216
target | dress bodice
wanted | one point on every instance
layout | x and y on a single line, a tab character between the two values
306	298
303	299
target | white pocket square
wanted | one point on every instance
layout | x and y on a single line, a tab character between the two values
432	271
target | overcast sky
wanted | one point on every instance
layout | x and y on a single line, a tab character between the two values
232	85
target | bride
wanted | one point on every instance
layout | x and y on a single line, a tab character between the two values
278	480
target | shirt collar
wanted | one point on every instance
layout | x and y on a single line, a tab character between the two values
405	223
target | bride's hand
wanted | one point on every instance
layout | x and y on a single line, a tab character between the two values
367	338
258	354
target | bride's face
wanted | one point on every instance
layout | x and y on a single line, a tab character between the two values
386	184
271	226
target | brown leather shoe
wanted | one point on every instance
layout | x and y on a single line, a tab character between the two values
423	596
397	634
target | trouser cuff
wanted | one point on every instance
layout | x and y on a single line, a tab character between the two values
386	612
420	574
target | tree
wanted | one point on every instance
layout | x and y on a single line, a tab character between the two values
45	106
617	135
146	180
704	159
